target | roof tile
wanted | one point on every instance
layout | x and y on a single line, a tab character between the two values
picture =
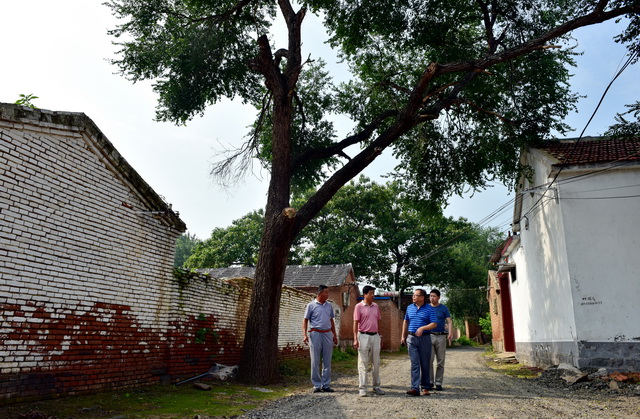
596	150
295	275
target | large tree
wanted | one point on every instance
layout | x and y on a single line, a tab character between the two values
455	88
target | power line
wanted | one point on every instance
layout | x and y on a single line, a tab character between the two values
540	204
601	197
631	58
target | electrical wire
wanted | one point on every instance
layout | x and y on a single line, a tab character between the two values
540	204
602	197
629	61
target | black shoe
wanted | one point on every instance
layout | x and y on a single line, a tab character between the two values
328	390
430	387
316	390
439	388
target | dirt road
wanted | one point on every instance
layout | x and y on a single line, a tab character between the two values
471	390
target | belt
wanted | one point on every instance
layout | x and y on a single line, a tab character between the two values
369	333
412	334
439	333
319	330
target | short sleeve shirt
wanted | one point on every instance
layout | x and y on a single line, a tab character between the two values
367	317
442	313
419	316
319	315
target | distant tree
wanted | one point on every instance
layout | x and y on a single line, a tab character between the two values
464	280
380	230
185	245
455	88
625	127
234	245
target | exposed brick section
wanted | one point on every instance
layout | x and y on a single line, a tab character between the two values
340	279
390	325
221	307
495	308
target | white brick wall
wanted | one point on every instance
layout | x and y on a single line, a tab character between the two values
87	295
83	279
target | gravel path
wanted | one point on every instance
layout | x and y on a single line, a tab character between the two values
471	389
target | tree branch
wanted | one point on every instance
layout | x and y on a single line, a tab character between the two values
338	148
597	16
235	9
411	114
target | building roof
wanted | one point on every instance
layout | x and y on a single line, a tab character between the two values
591	150
59	124
297	276
585	154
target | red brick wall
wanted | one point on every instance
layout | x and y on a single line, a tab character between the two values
390	325
495	310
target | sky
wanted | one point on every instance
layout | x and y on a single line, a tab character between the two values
60	50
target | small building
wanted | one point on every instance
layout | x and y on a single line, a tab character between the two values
567	280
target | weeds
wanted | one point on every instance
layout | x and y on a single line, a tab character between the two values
465	341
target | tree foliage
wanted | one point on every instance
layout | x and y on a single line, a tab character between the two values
235	245
464	281
625	127
185	246
453	88
380	230
392	242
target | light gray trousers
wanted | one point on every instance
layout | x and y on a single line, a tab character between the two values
438	351
368	352
321	349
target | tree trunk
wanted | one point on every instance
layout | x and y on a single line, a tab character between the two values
260	349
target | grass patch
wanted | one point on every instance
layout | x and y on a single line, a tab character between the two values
511	368
465	341
170	401
153	401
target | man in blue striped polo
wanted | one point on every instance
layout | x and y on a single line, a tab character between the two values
319	328
419	318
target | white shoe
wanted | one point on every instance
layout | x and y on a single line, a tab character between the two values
362	393
379	391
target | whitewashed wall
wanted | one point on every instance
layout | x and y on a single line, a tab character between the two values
578	271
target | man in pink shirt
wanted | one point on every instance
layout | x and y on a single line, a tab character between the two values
367	340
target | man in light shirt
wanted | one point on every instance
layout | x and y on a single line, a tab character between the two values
319	327
366	340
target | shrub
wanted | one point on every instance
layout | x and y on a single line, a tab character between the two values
340	355
465	341
485	324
